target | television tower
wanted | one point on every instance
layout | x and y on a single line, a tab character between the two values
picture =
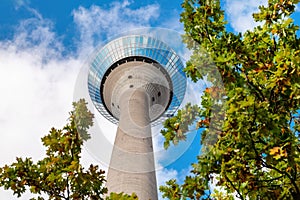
135	81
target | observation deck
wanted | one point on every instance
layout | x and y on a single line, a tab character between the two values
133	62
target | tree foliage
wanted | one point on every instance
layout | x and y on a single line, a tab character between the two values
251	123
122	196
60	175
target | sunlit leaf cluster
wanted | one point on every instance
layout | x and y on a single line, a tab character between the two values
255	151
60	175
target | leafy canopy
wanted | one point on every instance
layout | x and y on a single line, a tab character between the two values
60	175
250	119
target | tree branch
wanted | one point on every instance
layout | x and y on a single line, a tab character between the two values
240	195
68	188
284	173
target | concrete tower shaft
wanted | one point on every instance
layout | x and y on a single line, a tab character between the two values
136	93
132	167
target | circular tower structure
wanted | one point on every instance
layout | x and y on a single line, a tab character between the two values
135	81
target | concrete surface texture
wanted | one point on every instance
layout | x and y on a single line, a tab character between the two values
136	93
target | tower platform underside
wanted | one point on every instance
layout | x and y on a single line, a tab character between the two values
136	74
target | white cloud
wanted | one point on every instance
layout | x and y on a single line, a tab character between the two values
36	91
36	37
33	92
297	8
240	13
20	3
96	23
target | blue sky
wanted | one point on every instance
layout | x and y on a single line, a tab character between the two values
44	44
61	14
